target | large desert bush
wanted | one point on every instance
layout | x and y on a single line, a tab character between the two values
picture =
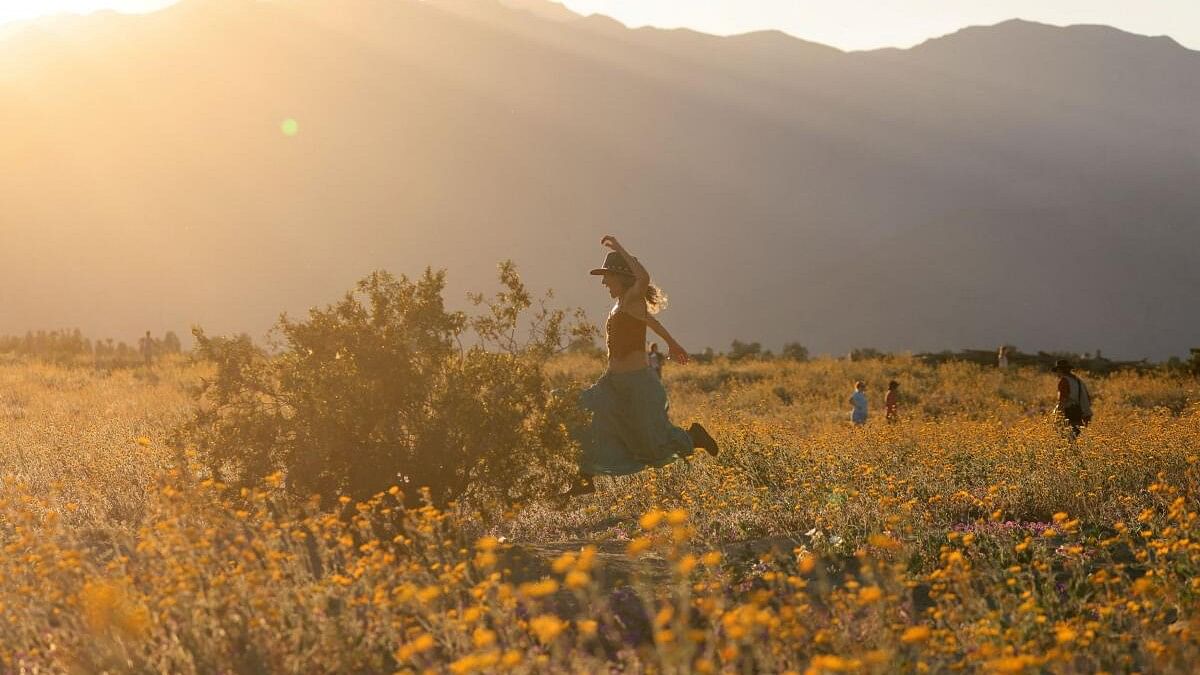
388	387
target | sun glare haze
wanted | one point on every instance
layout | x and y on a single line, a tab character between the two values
17	10
334	336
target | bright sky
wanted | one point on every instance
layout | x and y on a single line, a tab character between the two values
848	24
11	10
867	24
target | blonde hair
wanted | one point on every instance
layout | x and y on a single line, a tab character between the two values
656	299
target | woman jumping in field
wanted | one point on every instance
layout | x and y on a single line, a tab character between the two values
630	430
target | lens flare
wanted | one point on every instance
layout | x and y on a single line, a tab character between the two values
290	127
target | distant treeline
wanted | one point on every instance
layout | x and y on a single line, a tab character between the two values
71	347
1094	363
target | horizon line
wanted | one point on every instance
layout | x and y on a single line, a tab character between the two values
11	27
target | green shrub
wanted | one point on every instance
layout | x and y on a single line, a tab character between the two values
866	354
378	390
795	351
744	350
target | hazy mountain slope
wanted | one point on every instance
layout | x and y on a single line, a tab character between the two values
1018	182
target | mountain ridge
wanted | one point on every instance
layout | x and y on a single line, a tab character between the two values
860	198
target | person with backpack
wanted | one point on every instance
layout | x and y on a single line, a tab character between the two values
1074	400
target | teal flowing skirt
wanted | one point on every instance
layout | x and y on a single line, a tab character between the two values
630	430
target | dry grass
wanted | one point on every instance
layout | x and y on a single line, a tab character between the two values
92	439
970	536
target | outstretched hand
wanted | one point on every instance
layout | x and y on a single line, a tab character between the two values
611	242
678	354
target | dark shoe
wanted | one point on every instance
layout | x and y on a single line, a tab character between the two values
702	439
582	485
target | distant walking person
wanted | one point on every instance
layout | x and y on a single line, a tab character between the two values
655	359
859	400
630	430
1074	401
891	402
1002	358
146	346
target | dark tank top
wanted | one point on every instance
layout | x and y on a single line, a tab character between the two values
626	334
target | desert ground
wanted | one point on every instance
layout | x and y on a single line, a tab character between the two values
971	535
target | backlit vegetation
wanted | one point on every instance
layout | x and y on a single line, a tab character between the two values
388	387
970	535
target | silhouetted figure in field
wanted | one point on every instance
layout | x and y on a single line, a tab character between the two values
630	430
655	358
1074	401
1002	358
146	346
891	403
859	400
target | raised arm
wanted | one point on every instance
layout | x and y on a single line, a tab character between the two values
641	278
674	349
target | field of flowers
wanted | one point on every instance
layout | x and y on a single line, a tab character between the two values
970	536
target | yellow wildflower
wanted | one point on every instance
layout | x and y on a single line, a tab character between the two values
537	589
546	627
651	519
869	594
637	546
482	637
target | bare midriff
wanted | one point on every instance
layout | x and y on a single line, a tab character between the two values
626	341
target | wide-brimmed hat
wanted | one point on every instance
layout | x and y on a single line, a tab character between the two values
614	263
1061	366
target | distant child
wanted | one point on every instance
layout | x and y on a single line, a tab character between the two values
891	403
859	400
146	346
1002	358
